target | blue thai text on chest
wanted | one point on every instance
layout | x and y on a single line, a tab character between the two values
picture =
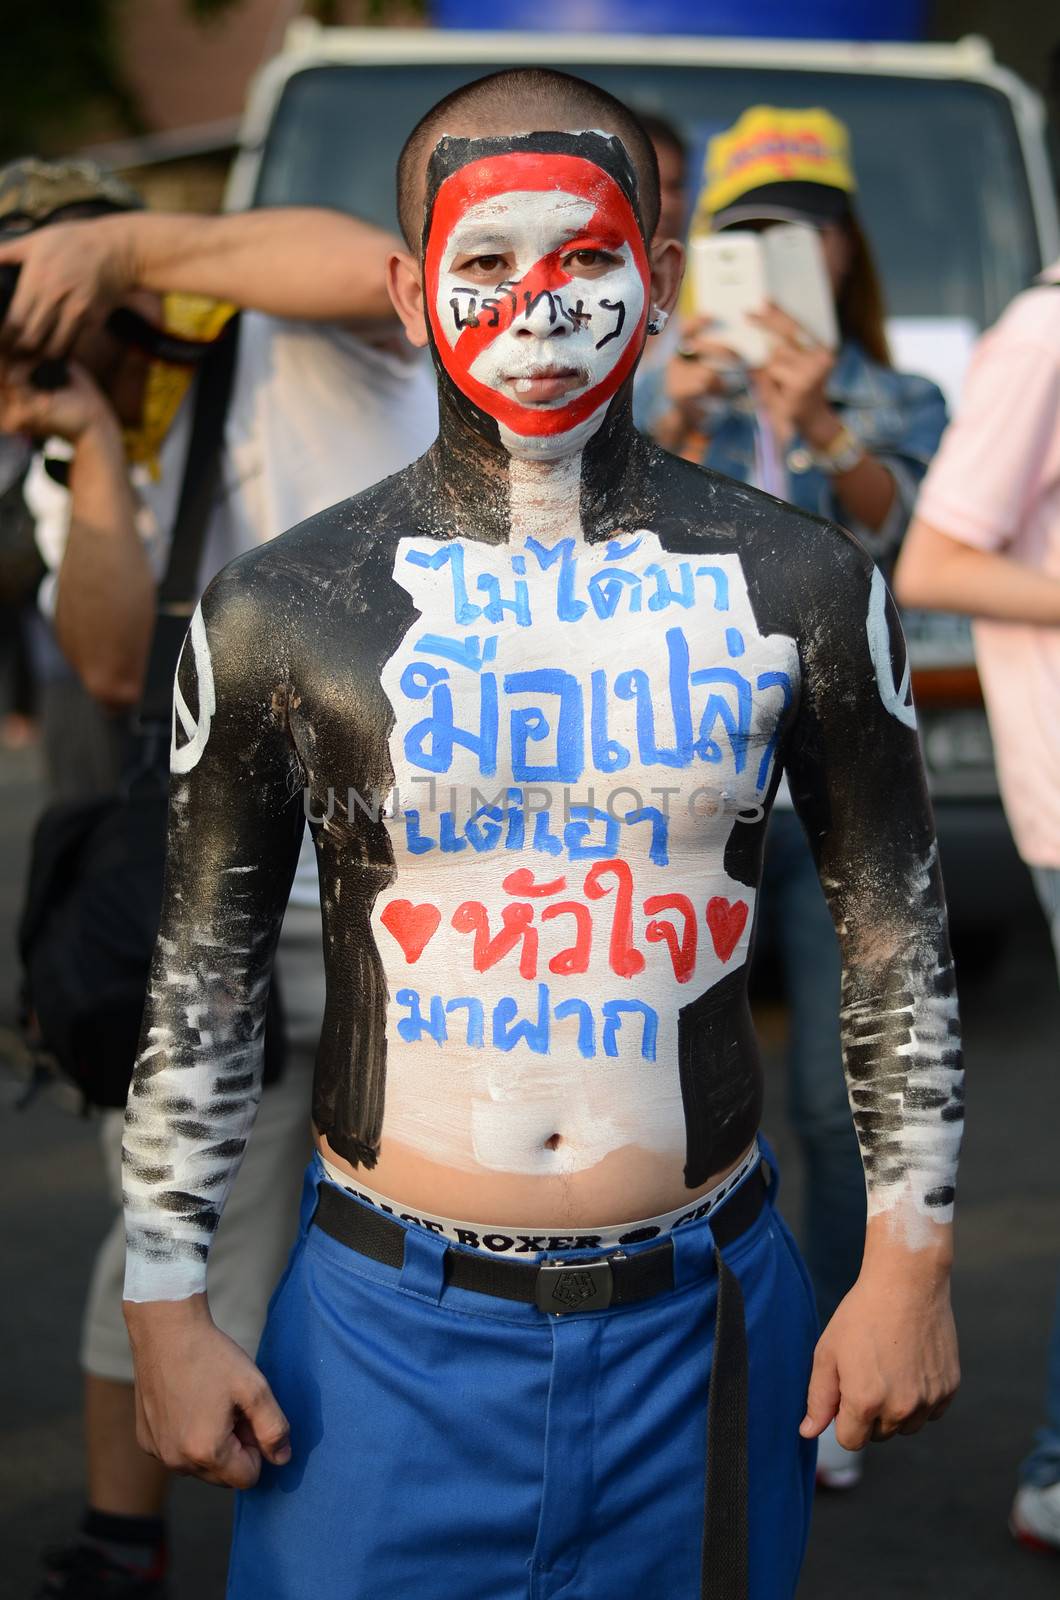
708	709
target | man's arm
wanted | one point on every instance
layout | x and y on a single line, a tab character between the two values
235	823
887	1361
292	261
104	608
105	599
994	458
938	573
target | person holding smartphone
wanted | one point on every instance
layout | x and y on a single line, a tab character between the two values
843	434
839	433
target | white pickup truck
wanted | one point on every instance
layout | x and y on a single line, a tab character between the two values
955	190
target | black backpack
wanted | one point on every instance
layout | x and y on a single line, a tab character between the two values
94	892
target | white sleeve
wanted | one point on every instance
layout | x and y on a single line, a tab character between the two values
48	504
333	414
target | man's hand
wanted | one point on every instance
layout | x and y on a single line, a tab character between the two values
693	375
202	1406
70	272
67	413
887	1362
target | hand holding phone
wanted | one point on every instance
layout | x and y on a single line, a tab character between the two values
735	275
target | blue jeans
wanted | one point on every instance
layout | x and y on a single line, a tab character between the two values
793	919
451	1446
1042	1466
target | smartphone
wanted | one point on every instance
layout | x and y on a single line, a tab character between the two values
728	272
734	273
798	280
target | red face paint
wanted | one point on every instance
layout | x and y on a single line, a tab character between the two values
536	211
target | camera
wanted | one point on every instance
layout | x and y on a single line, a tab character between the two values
46	375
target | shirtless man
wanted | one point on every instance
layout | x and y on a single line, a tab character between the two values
538	689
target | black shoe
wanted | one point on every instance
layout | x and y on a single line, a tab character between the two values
83	1572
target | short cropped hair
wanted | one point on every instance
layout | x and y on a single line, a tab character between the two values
523	94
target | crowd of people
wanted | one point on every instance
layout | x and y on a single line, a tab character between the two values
330	394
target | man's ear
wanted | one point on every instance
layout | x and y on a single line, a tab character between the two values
667	258
404	282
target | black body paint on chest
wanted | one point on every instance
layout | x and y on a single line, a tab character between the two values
301	633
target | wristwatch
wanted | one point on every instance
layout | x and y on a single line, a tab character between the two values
840	455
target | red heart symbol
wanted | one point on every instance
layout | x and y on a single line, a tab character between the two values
726	920
412	926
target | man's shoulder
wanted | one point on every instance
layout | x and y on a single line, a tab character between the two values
338	539
806	577
324	355
314	576
702	509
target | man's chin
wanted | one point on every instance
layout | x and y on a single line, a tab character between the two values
556	444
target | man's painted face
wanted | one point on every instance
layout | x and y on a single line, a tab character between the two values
537	287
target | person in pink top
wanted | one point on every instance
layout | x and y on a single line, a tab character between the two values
985	540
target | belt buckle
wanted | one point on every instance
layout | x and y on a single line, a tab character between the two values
573	1286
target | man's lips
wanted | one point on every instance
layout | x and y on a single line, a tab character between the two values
541	385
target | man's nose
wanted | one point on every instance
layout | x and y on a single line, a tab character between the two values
541	318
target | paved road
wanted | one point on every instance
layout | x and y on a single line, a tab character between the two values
929	1519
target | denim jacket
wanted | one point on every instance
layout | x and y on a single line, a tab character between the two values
897	416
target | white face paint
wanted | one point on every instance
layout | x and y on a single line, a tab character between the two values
536	295
897	698
567	339
196	729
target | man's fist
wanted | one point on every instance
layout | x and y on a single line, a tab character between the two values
65	413
202	1406
887	1362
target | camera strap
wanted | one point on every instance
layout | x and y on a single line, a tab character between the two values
179	589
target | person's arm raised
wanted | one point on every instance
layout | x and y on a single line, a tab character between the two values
104	605
291	261
887	1362
792	389
235	823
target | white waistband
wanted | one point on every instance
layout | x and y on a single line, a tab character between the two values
507	1239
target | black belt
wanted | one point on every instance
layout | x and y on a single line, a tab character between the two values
558	1287
553	1286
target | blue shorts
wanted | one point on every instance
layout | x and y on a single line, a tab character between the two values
448	1445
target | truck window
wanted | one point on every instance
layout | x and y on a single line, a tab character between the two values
943	191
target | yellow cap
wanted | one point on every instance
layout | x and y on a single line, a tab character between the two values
770	145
